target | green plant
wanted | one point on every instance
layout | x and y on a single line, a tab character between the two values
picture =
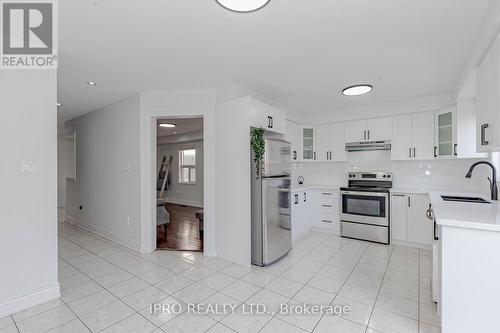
258	147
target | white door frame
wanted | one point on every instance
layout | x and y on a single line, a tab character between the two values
148	123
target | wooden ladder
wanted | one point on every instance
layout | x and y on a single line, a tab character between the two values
163	173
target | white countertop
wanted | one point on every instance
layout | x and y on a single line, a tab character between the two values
409	190
465	215
307	187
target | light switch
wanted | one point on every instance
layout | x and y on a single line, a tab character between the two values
30	167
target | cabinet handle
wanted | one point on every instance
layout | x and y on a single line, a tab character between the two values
327	206
398	195
435	151
409	149
269	122
305	196
414	152
295	155
326	221
331	158
296	196
272	122
409	201
455	150
364	135
314	154
484	142
326	193
327	156
368	134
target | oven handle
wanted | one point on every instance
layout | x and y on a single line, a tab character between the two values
366	194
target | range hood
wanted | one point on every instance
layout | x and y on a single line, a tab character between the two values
367	146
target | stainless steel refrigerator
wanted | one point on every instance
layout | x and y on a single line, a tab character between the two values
271	204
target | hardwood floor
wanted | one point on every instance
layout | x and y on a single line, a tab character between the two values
183	230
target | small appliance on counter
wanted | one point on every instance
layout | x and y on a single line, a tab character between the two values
365	205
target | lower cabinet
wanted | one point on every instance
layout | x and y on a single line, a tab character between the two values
326	210
409	222
302	213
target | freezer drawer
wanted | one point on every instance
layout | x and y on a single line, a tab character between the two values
372	233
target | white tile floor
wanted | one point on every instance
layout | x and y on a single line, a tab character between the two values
106	288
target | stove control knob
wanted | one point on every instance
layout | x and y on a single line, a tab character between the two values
388	176
385	176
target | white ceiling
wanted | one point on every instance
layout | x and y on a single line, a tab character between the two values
182	126
300	53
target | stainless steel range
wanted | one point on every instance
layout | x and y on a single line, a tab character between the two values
366	207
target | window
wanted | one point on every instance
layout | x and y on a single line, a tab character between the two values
187	165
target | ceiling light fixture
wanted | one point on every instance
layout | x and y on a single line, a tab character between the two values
359	89
167	125
91	83
243	6
59	104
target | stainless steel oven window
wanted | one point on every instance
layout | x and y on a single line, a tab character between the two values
363	205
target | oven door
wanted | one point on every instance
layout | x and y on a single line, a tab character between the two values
365	207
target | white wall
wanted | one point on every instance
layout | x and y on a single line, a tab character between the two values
232	181
65	165
433	174
180	103
184	194
108	173
28	217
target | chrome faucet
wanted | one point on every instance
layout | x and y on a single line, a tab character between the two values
492	180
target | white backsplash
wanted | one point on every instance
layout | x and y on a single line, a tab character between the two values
434	174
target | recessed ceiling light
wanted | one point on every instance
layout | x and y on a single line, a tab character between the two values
243	6
167	125
59	104
91	83
359	89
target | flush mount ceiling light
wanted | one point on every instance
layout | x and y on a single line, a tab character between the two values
91	83
359	89
167	125
59	104
243	6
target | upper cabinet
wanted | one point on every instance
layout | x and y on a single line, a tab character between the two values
330	144
267	117
445	133
293	134
308	143
488	100
377	129
413	137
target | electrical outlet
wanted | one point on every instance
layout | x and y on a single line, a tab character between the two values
30	167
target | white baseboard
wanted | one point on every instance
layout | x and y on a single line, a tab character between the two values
410	244
106	234
24	302
184	202
326	231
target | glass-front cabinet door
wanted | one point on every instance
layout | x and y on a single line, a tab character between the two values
308	144
446	146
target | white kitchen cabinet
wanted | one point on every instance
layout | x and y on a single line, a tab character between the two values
488	100
398	216
466	130
293	134
323	140
308	143
377	129
409	223
330	142
326	210
420	229
445	133
413	137
355	131
266	116
302	213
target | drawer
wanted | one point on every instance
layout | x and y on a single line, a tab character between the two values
326	221
328	207
328	194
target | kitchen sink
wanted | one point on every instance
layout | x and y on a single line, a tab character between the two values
464	199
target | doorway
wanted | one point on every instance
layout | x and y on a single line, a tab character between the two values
179	184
